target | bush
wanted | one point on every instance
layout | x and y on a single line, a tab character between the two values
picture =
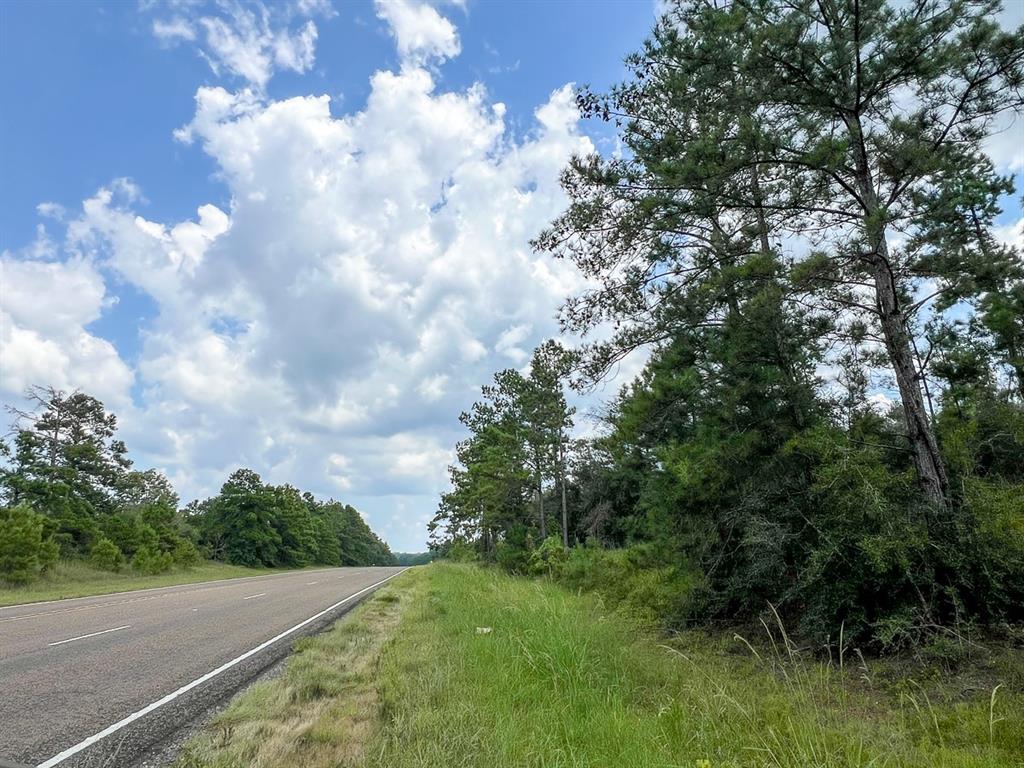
462	552
636	582
24	551
512	552
106	556
548	557
149	562
185	553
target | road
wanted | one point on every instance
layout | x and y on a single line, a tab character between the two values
70	669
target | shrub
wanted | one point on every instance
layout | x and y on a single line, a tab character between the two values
185	553
548	557
149	562
636	581
106	556
462	552
24	551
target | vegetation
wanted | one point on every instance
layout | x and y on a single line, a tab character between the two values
414	558
830	424
323	710
453	665
68	490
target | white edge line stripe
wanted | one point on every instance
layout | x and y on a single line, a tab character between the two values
250	597
91	634
308	583
89	741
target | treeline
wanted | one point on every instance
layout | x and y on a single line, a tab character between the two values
68	490
414	558
800	227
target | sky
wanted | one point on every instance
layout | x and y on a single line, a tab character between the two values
295	236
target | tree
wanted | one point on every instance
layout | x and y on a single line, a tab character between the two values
25	550
67	462
237	524
840	124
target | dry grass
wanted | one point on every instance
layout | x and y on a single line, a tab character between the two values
322	711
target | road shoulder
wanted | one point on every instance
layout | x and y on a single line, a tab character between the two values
321	706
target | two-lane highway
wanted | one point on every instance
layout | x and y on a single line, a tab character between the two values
72	672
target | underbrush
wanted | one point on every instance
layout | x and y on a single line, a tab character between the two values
634	581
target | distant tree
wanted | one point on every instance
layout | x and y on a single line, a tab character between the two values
237	524
66	462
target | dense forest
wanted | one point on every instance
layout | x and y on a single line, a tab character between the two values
799	232
68	490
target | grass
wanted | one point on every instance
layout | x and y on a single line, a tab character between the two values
324	708
458	666
74	578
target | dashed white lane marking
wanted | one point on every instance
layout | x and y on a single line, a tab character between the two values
91	634
250	597
310	583
62	756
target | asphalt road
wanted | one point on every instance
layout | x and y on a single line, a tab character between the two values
72	668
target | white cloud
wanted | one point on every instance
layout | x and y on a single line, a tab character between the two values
45	308
250	40
1012	234
371	272
173	30
421	34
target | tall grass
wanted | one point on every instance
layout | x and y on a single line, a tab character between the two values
454	666
560	681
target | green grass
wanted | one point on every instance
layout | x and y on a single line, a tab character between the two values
478	669
74	578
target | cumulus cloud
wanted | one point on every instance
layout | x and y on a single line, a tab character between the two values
45	308
422	35
371	271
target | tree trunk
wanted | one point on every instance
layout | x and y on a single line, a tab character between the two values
931	472
540	510
561	472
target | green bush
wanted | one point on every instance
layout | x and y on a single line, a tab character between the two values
462	552
106	556
635	581
24	551
149	562
185	553
548	557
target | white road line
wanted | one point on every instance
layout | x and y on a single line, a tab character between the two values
310	583
87	742
91	634
250	597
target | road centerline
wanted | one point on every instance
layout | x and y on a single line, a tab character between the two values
91	634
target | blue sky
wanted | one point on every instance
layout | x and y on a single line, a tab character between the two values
294	236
